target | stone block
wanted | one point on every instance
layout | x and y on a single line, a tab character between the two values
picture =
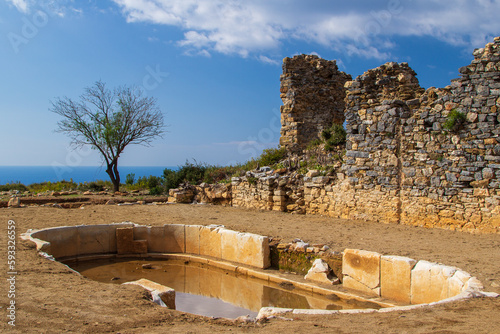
362	266
124	240
456	283
141	232
357	154
164	293
175	238
140	246
254	250
112	238
395	278
96	239
192	239
429	282
155	235
14	202
162	239
63	241
280	208
312	173
350	283
279	193
278	198
229	243
210	241
320	180
183	196
319	273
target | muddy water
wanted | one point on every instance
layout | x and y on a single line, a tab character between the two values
209	291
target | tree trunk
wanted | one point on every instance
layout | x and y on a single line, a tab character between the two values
114	176
117	178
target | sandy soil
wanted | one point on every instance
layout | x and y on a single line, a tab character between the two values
52	299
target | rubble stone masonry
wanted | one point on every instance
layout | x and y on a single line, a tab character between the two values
401	164
312	90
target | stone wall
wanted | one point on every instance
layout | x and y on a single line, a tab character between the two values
377	105
453	178
401	165
312	90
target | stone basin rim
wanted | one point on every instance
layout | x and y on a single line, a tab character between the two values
250	269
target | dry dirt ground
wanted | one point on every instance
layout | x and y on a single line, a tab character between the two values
52	299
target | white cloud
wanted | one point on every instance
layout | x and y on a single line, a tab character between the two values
204	53
363	28
259	27
21	5
51	7
268	60
340	64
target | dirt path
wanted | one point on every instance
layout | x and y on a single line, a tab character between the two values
52	299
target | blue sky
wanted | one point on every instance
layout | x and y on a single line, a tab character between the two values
213	65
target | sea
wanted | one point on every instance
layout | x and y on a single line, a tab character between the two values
37	174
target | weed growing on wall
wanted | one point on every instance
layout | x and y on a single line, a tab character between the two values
333	136
455	120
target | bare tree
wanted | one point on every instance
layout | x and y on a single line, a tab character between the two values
108	121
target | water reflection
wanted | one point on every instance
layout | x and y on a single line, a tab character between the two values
209	291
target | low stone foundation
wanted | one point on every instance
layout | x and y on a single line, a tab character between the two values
400	279
403	279
130	239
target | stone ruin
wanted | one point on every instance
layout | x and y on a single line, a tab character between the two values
401	165
312	90
394	278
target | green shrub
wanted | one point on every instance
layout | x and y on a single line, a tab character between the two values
454	120
171	179
252	180
194	173
53	186
154	181
314	143
331	137
142	182
272	156
13	186
95	186
326	134
329	146
130	179
338	134
156	190
217	174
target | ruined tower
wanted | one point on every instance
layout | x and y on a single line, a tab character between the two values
312	90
